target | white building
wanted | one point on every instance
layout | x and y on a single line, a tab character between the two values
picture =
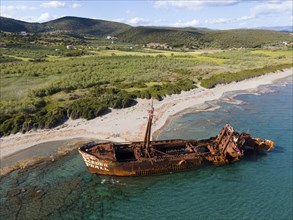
70	47
23	33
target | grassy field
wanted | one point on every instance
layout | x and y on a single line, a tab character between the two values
43	86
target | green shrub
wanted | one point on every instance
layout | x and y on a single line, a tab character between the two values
241	75
55	117
6	127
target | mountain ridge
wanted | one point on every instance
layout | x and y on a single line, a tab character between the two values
278	28
189	37
68	23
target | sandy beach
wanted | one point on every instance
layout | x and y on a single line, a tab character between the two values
129	124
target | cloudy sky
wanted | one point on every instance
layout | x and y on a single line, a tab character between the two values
215	14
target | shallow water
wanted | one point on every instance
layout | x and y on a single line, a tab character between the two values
259	187
46	149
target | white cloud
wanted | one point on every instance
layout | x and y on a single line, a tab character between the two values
42	18
272	7
53	4
218	20
264	8
130	12
15	8
274	1
138	21
121	20
58	4
246	17
228	20
75	5
195	4
191	23
7	15
11	11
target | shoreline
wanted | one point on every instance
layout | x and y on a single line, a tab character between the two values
121	125
48	149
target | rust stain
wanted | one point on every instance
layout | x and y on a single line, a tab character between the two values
148	157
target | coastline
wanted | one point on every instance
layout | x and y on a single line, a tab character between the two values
129	124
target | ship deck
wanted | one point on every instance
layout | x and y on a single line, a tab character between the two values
159	150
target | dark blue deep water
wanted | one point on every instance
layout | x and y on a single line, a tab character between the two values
259	187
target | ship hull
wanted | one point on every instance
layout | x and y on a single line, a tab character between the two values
141	168
146	158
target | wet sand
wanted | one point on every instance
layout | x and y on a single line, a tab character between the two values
47	149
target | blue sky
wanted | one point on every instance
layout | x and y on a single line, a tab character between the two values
215	14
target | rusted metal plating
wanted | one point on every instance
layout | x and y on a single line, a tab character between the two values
164	156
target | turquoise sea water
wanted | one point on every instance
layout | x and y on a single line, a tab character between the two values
259	187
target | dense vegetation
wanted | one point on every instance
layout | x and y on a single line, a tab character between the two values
43	83
204	38
225	78
43	94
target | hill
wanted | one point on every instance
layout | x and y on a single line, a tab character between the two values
71	25
247	38
11	25
202	38
172	36
195	38
86	26
278	28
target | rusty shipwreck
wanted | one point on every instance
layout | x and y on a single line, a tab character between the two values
148	157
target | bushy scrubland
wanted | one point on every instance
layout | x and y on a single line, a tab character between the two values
41	88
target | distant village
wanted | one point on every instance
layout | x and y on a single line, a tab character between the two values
149	45
158	46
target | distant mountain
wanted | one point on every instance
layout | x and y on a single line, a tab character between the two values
73	25
11	25
175	37
202	38
172	36
278	28
247	38
86	26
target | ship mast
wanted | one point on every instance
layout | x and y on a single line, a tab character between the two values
147	137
